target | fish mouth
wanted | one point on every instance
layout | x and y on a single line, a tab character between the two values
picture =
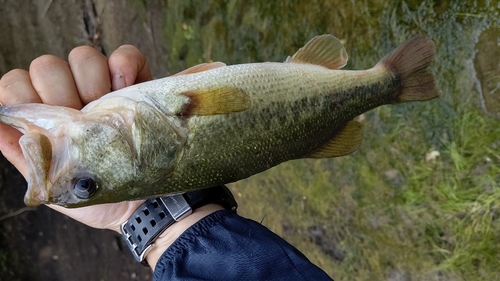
42	144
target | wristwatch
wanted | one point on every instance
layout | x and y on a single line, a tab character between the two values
157	214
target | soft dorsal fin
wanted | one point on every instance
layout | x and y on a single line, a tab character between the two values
325	50
216	100
344	143
201	67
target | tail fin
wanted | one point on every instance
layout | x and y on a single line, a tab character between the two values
410	61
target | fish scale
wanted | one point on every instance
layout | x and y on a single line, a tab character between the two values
223	145
212	124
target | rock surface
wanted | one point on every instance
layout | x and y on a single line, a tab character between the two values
41	244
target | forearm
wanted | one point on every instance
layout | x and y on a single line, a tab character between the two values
226	246
168	237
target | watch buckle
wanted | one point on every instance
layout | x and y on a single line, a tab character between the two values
177	206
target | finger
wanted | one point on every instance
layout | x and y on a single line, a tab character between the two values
127	66
91	73
16	88
52	79
9	145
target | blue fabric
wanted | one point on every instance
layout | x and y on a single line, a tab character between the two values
225	246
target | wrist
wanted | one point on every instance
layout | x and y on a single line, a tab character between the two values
159	221
163	242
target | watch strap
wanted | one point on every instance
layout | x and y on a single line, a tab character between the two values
157	214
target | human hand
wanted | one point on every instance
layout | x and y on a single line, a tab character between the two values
86	76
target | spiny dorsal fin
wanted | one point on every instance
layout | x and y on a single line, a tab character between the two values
325	50
201	67
217	100
344	143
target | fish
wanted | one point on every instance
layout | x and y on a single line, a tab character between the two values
212	124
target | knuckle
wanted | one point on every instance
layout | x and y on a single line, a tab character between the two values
45	61
127	53
82	53
10	78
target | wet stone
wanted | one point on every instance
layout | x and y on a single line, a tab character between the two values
487	65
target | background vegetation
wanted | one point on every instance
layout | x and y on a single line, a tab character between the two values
420	199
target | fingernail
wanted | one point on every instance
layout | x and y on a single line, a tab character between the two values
118	82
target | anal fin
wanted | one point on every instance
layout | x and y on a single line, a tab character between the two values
344	143
216	100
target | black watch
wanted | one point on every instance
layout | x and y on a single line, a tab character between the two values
157	214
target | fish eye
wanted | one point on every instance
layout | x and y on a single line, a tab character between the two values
84	187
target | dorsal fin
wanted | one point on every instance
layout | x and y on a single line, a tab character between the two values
344	143
325	50
201	67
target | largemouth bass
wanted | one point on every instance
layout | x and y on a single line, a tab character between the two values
211	124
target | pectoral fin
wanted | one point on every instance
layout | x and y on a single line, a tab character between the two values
218	100
344	143
325	50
